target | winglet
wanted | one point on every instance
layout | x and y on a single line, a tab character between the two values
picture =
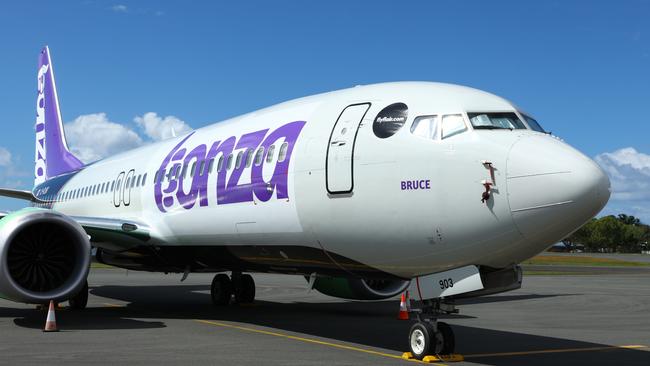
52	157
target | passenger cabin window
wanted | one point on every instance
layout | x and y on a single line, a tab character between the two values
426	127
144	179
220	163
532	123
249	158
269	154
259	156
238	162
496	121
452	124
229	162
283	152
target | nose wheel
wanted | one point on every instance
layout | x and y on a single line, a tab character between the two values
241	286
427	338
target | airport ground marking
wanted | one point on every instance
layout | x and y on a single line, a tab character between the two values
114	305
310	340
561	350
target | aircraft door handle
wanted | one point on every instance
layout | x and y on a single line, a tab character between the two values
338	143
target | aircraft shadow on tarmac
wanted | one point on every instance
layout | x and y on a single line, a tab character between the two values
373	324
103	318
502	298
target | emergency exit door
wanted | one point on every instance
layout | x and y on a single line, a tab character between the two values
340	149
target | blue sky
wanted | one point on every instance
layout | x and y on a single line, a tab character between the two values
581	67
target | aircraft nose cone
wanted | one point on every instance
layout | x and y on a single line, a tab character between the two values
552	188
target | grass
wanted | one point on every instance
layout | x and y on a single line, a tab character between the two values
557	260
553	273
96	265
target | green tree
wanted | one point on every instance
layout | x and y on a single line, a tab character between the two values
629	220
611	234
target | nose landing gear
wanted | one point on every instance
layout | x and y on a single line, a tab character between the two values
242	286
429	336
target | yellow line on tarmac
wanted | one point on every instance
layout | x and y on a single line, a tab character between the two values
309	340
587	349
114	305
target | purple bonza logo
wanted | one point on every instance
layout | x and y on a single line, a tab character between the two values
39	159
168	192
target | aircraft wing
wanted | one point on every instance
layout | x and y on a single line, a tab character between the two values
19	194
114	234
101	230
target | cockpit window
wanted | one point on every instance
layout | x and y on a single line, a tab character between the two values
452	124
493	121
533	124
426	127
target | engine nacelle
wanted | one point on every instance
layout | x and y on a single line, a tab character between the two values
360	289
44	255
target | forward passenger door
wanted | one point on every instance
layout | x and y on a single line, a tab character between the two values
339	177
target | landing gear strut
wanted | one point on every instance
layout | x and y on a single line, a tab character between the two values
242	286
429	336
80	300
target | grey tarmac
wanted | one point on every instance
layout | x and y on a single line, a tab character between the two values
153	319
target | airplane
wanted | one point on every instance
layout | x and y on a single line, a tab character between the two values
368	192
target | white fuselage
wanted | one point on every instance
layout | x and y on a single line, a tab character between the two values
414	204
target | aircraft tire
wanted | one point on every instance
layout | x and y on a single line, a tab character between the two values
449	341
80	300
245	291
221	290
420	337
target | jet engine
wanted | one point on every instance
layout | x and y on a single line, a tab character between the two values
360	289
44	255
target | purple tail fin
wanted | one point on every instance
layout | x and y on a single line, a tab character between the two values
52	156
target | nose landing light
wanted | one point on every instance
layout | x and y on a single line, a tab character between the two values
552	188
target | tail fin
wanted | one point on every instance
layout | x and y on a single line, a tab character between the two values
52	156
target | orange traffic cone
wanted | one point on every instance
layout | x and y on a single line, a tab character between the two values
403	310
408	302
50	323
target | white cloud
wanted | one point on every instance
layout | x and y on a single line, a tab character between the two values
119	8
93	136
629	172
158	128
5	157
11	174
